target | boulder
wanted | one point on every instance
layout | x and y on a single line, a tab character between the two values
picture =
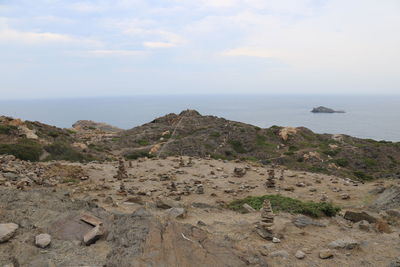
280	253
248	208
165	203
388	199
42	240
177	213
93	235
359	216
7	231
345	243
364	225
325	254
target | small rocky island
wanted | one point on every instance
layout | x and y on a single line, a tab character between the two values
322	109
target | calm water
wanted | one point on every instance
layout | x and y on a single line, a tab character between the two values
375	117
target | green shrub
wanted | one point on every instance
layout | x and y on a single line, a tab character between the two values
362	176
237	146
138	154
25	149
293	148
215	134
331	153
287	204
342	162
318	169
143	142
63	151
7	129
370	163
53	134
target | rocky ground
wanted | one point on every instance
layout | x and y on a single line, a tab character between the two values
174	212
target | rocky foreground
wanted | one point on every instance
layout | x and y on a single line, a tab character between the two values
192	211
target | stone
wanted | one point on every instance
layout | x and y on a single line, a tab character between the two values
177	213
300	254
325	254
199	189
42	240
345	243
93	235
364	225
280	253
303	221
239	172
359	216
7	231
345	196
165	203
248	208
276	240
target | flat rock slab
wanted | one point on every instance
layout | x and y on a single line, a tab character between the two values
70	228
303	221
7	230
345	243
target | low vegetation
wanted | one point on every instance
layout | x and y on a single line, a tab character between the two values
7	129
287	204
63	151
25	149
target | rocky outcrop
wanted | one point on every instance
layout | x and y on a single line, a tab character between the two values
388	199
87	125
322	109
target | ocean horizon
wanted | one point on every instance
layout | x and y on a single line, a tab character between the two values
367	116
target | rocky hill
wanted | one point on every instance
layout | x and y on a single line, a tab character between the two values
192	134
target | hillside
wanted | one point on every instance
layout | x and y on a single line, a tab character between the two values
192	134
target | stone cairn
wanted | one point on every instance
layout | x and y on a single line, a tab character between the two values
264	227
181	162
282	177
121	172
270	183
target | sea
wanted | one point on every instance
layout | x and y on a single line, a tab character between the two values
374	117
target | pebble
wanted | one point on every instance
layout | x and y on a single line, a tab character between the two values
300	254
42	240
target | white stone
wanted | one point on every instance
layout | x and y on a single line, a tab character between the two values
7	230
42	240
276	240
300	254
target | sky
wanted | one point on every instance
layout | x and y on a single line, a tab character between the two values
97	48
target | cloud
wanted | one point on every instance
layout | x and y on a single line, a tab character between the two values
10	35
249	52
158	44
117	52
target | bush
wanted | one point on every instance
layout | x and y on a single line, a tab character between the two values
362	176
7	129
63	151
25	149
138	154
143	142
342	162
287	204
215	134
237	146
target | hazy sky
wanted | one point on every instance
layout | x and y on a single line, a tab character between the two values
69	48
